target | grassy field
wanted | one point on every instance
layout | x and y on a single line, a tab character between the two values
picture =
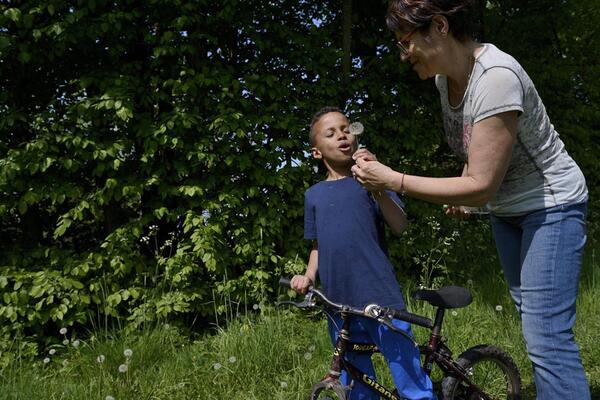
273	354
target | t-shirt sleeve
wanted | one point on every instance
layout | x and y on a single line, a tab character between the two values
498	90
310	228
395	198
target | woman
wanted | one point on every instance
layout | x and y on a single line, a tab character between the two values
515	163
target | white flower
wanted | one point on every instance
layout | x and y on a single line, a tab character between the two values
454	313
109	398
52	352
255	307
283	384
356	128
123	368
76	343
100	359
65	363
311	348
498	307
63	331
217	366
46	360
128	353
66	342
232	359
307	356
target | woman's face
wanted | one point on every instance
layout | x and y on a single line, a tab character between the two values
423	50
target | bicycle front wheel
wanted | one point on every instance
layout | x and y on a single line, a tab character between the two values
328	391
491	369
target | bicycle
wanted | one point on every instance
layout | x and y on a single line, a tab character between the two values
482	372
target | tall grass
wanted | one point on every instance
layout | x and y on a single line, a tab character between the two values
273	354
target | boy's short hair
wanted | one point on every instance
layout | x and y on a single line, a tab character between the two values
317	116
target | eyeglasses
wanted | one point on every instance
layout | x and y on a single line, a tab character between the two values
403	43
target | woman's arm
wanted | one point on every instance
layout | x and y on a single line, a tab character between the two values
490	151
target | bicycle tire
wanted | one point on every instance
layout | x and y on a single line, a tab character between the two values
490	368
325	391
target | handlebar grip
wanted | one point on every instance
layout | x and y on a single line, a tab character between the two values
285	282
412	318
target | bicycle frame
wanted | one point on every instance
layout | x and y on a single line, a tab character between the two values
435	351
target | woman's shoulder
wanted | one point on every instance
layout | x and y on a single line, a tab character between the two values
491	56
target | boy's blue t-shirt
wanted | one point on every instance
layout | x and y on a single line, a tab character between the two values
347	224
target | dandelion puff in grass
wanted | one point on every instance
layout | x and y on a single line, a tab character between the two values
123	368
454	313
311	348
283	384
498	308
66	342
52	352
46	360
217	366
100	359
65	363
63	331
255	307
232	359
128	353
109	398
76	343
307	356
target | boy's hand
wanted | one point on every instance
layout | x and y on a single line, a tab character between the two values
364	154
300	283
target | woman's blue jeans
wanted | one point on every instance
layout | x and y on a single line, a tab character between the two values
541	254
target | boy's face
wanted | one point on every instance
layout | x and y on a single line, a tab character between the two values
333	141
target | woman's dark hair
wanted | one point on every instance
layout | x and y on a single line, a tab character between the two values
419	13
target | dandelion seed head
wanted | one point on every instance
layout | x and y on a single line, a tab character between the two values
217	366
109	398
128	353
76	343
100	359
63	331
255	307
46	360
454	313
65	363
307	356
66	342
232	359
498	307
52	352
123	368
283	384
311	348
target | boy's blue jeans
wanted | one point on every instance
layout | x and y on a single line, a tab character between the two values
400	354
541	254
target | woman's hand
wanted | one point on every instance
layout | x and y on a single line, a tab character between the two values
373	175
459	212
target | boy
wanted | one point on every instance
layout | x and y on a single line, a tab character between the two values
345	223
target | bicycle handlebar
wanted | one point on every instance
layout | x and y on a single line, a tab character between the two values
374	311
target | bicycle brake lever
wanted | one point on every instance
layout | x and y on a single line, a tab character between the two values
308	302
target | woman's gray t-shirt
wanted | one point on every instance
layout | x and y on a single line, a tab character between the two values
541	173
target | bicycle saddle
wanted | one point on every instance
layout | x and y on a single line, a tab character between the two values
446	297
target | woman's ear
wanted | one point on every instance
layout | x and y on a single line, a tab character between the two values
440	25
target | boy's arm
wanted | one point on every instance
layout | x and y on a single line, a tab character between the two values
300	283
393	214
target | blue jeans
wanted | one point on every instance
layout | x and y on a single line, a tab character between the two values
401	355
541	255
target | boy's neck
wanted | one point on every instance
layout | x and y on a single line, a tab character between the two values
335	173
